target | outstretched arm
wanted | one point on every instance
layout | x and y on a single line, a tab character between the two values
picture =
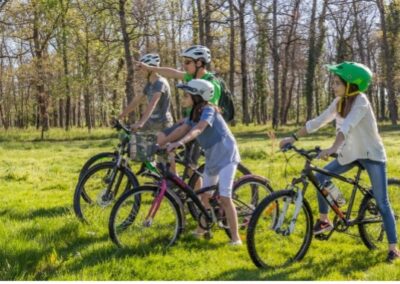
163	71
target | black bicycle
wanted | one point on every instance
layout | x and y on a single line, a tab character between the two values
102	181
151	216
280	230
143	170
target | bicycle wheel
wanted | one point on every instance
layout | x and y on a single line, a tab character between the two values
130	227
272	240
98	158
195	182
245	195
98	189
371	229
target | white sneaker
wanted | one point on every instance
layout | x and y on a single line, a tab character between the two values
236	243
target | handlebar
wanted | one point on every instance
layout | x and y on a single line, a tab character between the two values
308	154
118	125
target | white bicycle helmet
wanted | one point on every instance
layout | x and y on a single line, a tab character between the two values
198	52
152	59
198	87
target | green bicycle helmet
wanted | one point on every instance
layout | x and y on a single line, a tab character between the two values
353	73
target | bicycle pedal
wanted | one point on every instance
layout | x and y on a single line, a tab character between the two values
208	235
321	237
222	225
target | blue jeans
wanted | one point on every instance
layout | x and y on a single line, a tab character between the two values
377	175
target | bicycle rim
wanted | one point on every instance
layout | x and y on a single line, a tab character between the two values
131	228
268	244
245	196
97	192
371	229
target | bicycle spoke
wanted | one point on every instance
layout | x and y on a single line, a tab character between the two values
271	241
134	227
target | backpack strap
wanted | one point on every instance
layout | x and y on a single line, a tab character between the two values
209	77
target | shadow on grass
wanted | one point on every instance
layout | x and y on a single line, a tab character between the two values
43	262
103	254
344	263
38	213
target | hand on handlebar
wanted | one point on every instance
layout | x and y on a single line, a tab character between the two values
136	126
325	154
285	141
173	146
114	121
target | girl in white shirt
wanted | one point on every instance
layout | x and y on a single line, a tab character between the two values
357	139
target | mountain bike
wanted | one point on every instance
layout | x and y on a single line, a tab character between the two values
280	230
151	216
101	182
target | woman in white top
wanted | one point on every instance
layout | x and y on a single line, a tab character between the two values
357	139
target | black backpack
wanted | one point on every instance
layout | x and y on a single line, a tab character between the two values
225	102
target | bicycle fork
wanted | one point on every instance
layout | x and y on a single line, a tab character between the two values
298	204
156	204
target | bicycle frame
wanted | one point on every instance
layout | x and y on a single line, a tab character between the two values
307	175
169	176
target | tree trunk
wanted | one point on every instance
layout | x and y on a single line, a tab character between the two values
232	48
129	90
382	101
42	98
61	113
243	66
389	70
287	60
64	51
275	54
314	52
260	76
200	18
86	75
207	24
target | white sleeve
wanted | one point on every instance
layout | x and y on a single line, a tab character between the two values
327	116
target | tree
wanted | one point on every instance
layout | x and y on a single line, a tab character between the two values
388	46
315	44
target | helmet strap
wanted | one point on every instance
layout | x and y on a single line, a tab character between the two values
197	68
346	95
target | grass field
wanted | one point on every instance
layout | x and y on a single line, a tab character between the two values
41	239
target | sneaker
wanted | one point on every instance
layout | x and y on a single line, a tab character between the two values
235	243
393	255
204	234
322	226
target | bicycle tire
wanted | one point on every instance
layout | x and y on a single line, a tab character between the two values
271	206
245	204
193	210
95	159
126	232
374	237
81	197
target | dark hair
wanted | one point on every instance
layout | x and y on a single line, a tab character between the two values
198	104
347	102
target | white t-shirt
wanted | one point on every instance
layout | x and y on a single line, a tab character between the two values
362	140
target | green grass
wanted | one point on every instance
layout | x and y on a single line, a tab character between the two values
42	239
